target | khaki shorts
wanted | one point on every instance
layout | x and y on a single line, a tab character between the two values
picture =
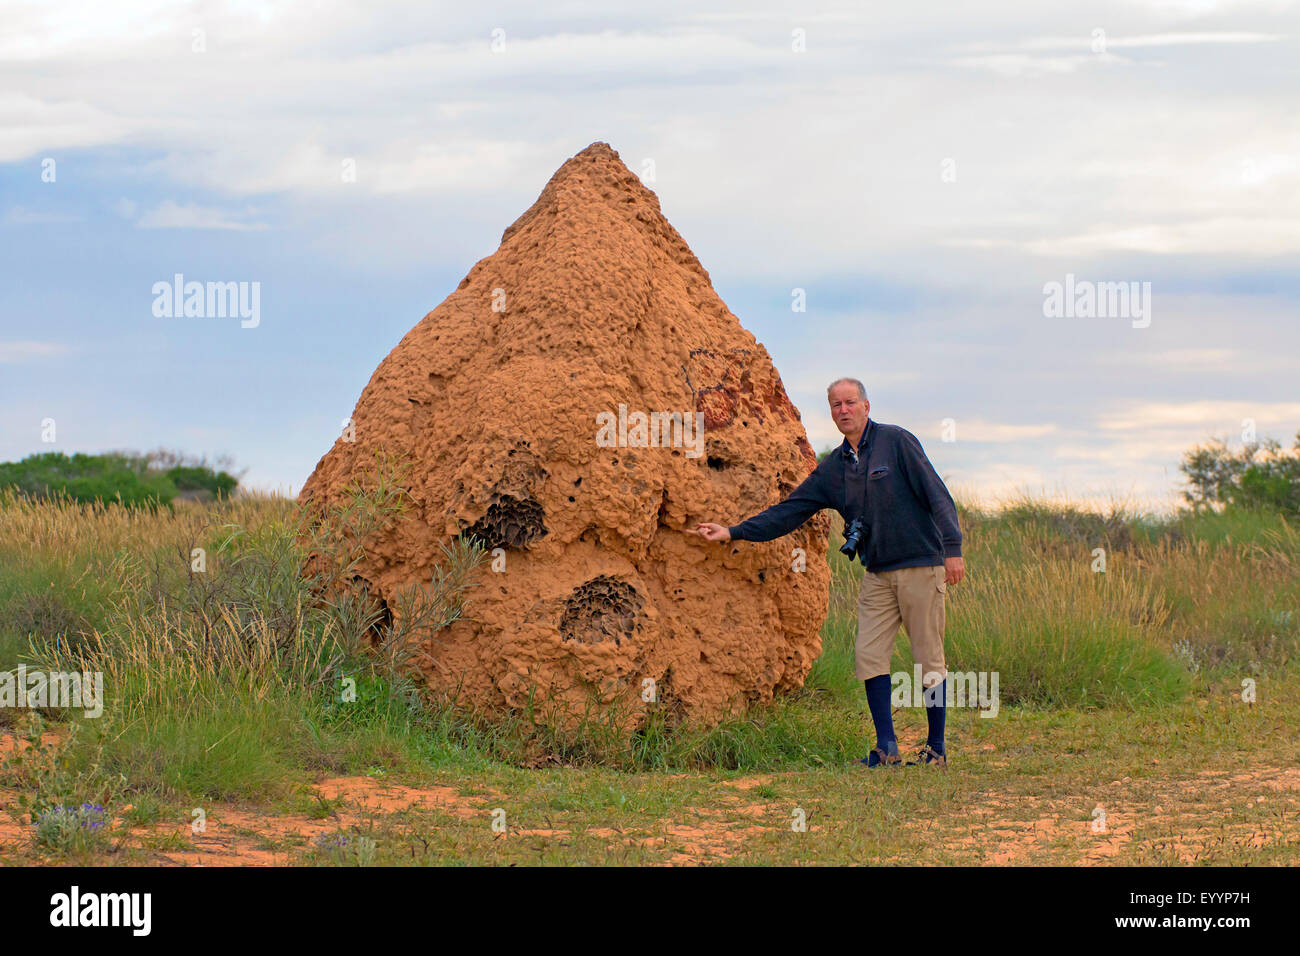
912	597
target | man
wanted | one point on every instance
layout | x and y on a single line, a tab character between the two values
910	544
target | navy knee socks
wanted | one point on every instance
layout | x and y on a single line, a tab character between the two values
881	715
935	712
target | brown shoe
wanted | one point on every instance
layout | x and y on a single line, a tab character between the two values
878	758
928	755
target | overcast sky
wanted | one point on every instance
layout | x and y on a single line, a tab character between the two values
922	173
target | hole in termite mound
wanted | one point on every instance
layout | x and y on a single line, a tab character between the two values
510	522
601	609
378	613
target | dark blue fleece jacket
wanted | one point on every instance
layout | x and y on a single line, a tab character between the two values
909	518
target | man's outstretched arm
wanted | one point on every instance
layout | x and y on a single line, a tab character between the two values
804	502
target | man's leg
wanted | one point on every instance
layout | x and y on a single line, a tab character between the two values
921	593
878	622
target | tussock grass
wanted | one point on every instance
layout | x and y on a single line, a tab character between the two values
227	683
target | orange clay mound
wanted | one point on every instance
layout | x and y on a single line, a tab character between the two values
535	403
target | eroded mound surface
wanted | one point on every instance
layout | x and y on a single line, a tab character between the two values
550	406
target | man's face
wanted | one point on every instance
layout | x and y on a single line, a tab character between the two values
848	409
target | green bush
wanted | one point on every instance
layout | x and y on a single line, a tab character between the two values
1259	475
189	478
128	478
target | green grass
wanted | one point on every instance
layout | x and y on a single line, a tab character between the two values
226	689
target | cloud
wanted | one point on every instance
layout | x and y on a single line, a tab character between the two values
1085	41
1124	455
1191	359
1207	416
16	353
170	215
44	126
1022	64
1191	39
22	215
1172	157
978	430
126	208
730	114
1255	236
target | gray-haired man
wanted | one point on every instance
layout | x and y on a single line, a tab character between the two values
910	543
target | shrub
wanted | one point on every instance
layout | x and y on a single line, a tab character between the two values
72	829
124	477
202	479
1259	475
339	849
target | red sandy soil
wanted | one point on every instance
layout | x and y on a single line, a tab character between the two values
1002	830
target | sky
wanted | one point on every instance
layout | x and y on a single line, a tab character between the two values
924	175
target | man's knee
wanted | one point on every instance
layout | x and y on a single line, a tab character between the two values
872	650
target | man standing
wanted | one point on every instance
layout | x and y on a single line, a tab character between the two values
910	543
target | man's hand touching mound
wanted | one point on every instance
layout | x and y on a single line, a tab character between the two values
710	531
